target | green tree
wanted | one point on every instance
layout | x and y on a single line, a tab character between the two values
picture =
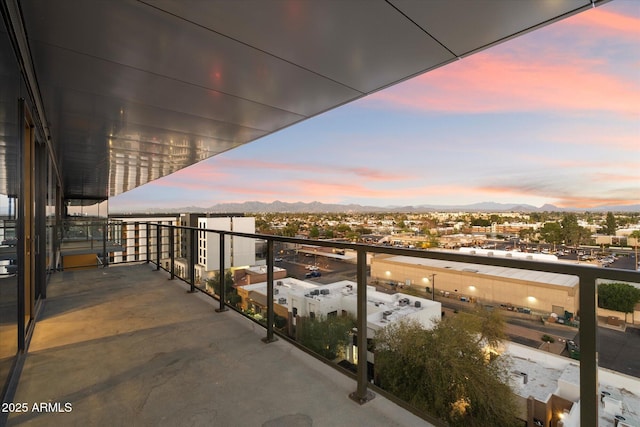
325	336
230	292
446	372
480	222
525	233
618	296
343	228
610	227
551	232
572	233
314	233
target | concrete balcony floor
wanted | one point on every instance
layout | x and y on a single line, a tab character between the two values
126	346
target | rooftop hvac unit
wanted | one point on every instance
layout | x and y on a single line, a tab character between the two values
279	283
275	291
418	304
282	300
324	291
315	292
386	314
404	301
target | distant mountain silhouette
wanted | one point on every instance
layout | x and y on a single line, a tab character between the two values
318	207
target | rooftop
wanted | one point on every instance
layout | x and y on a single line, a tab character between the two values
549	374
382	308
119	344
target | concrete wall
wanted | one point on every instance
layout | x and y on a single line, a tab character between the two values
243	248
632	318
479	287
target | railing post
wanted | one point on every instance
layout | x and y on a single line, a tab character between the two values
193	242
588	333
158	242
148	239
362	394
270	313
221	284
172	252
105	256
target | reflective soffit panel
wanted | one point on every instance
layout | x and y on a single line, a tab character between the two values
136	90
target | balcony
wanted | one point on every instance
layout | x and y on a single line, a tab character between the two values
126	346
126	343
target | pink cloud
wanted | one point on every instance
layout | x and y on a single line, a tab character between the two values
368	173
585	136
489	82
604	22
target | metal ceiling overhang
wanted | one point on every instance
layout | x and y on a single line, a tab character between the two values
135	90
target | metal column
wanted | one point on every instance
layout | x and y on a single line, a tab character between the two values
172	252
362	394
270	313
192	261
589	394
221	285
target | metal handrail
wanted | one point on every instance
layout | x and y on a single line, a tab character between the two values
587	275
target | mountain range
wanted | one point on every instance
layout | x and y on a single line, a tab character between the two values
318	207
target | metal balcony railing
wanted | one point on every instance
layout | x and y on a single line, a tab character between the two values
176	250
90	236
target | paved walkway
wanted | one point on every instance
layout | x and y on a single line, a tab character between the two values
124	346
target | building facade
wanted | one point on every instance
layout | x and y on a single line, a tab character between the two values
238	251
488	285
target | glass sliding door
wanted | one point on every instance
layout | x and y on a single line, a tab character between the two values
10	146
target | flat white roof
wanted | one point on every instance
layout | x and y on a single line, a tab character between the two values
489	270
261	269
545	370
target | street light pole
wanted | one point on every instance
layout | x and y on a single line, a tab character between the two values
433	286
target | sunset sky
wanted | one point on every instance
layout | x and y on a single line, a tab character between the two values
550	117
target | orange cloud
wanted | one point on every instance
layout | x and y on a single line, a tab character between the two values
562	197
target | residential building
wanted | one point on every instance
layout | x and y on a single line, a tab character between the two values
135	235
238	251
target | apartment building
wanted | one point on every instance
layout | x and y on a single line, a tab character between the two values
238	251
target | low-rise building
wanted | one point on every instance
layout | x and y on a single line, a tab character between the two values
547	388
256	274
295	298
522	290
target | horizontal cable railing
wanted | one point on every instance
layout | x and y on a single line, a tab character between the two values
179	250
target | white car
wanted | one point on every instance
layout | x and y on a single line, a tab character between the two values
313	268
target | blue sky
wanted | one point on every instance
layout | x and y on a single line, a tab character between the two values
549	117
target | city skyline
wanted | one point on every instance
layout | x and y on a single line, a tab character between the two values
551	117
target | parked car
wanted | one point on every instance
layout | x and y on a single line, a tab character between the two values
278	259
312	274
573	349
